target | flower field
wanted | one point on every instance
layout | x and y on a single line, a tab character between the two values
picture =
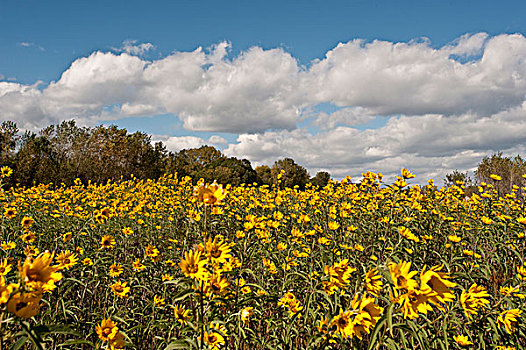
167	264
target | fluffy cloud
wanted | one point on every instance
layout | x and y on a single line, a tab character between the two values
431	145
445	107
133	48
177	143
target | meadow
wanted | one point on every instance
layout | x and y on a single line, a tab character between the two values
169	264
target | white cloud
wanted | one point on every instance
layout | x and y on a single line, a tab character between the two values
177	143
430	145
133	48
217	140
26	44
454	103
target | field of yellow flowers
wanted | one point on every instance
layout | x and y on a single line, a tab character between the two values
168	264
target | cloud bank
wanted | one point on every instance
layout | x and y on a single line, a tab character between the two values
442	108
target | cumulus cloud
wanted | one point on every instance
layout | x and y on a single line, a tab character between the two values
133	48
445	107
431	145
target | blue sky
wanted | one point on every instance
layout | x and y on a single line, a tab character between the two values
97	61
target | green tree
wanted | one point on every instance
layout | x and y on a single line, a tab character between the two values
508	168
8	141
294	174
264	176
321	179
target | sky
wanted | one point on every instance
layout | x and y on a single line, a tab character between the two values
339	86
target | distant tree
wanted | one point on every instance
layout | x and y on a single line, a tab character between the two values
36	162
508	168
8	141
264	175
209	163
321	179
457	177
294	174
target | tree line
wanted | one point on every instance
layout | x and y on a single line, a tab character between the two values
64	152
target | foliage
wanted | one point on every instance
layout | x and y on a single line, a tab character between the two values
170	264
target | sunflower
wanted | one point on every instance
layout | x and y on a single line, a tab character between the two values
436	286
67	259
27	221
8	245
342	324
216	285
31	250
107	242
28	237
215	337
181	314
67	236
413	303
24	305
509	319
106	330
127	231
246	313
137	265
152	252
373	282
158	300
87	262
4	268
5	171
120	289
462	340
210	194
474	299
401	276
192	265
217	251
38	274
116	270
10	213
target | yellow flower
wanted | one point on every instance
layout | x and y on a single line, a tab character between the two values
66	260
137	265
333	225
116	270
87	262
218	251
120	289
24	305
495	177
246	313
5	171
27	221
462	340
10	213
406	174
106	330
4	268
210	194
401	276
413	303
38	274
509	319
181	314
107	242
192	265
373	282
67	236
8	245
342	322
215	337
474	299
454	238
436	286
127	231
158	301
